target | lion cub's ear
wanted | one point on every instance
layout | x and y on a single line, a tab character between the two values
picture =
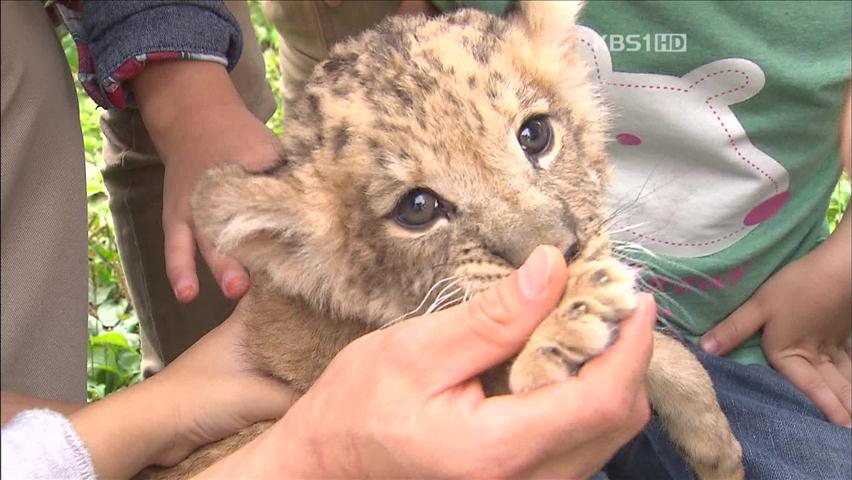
549	26
549	20
247	216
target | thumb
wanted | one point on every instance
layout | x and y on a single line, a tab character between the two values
459	343
734	330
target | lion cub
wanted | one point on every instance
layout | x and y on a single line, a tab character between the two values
425	160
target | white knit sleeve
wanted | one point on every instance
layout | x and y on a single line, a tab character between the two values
43	444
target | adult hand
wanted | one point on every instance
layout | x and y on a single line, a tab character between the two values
406	400
209	392
804	310
196	120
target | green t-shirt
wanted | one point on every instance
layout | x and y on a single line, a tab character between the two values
724	141
494	6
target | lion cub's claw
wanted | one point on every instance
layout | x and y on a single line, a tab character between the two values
599	294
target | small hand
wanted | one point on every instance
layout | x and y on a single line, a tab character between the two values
226	136
804	310
406	401
209	392
216	391
197	120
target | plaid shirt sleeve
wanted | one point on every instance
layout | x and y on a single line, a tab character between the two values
116	39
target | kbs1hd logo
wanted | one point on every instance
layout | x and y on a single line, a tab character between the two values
649	42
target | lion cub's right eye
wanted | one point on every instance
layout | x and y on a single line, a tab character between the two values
535	137
418	209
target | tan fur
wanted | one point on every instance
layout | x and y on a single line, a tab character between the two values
420	103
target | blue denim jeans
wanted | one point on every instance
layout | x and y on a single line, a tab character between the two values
783	435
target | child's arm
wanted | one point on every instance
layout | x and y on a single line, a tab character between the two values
804	310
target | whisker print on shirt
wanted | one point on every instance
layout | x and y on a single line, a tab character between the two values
657	262
610	222
668	309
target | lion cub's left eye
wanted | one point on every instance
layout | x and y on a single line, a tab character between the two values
418	209
535	137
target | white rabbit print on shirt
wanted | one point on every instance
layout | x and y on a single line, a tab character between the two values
687	180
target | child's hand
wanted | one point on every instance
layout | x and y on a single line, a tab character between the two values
197	120
211	391
804	310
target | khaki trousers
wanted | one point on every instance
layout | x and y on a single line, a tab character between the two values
43	207
309	29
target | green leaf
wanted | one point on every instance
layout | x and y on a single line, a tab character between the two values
111	377
102	294
108	314
94	326
70	51
839	202
95	390
109	338
128	362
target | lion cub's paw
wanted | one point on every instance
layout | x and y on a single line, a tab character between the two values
609	282
599	294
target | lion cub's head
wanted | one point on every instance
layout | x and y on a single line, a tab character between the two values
423	152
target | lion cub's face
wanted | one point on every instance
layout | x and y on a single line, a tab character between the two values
421	150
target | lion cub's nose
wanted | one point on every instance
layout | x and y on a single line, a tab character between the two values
571	252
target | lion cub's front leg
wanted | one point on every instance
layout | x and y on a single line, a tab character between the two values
599	294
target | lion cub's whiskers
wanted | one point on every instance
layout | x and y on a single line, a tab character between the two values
453	281
626	228
665	301
656	265
447	297
446	303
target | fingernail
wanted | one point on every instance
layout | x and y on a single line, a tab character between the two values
232	283
183	289
534	274
848	425
709	344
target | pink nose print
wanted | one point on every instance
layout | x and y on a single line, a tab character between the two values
628	139
766	210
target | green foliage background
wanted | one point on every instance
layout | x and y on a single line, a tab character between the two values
114	347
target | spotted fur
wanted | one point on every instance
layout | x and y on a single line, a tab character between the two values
437	104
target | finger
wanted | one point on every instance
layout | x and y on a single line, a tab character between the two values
840	357
839	385
459	343
180	260
599	400
734	330
229	273
804	375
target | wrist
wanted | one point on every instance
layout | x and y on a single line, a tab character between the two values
833	258
273	454
12	403
179	100
120	444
